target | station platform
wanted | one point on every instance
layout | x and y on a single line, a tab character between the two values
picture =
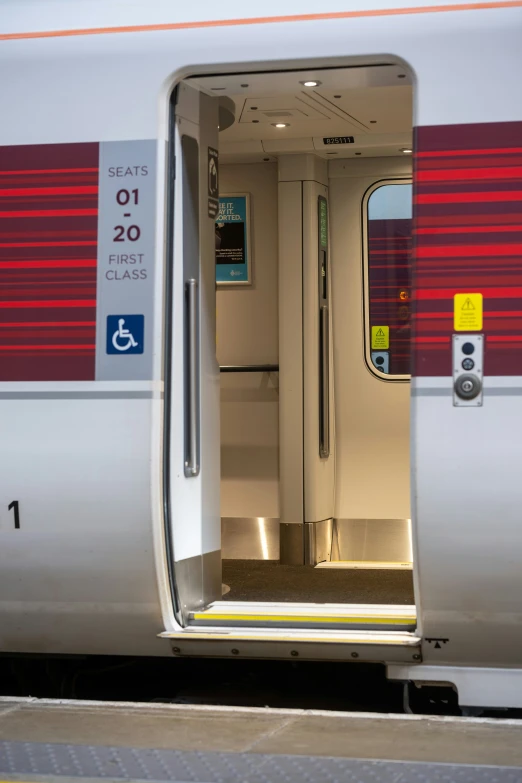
48	740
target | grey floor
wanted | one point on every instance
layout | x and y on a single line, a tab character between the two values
268	580
44	740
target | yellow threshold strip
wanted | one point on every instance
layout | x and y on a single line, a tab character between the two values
292	618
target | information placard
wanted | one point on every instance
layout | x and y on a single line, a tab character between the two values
233	251
125	268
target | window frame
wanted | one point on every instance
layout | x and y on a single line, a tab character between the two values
367	347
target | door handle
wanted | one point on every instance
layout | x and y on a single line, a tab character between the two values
191	380
324	383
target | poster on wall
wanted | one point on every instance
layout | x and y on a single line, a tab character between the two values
233	252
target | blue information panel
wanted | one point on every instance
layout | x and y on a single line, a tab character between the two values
233	262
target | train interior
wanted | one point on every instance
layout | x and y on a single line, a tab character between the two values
312	332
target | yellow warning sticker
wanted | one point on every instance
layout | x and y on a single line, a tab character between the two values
380	338
467	311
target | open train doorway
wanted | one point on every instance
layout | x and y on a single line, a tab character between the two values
294	209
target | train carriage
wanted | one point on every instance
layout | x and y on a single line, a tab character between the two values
261	334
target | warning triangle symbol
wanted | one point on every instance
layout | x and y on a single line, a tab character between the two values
380	333
468	304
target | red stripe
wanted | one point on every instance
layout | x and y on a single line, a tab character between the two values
448	293
65	264
387	266
85	346
449	314
507	338
17	172
452	175
432	339
48	213
49	303
447	220
458	153
468	198
469	229
457	251
49	244
64	190
44	324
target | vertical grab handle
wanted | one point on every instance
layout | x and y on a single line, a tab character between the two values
324	383
191	380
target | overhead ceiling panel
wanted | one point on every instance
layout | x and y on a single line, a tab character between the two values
379	109
372	104
280	108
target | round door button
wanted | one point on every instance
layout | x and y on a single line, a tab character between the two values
467	387
468	364
468	349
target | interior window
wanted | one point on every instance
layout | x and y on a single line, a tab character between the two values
388	278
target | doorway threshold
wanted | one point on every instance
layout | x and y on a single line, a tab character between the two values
367	564
273	614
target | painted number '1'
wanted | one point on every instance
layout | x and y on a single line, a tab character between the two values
15	506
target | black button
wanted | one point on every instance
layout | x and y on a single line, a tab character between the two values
468	364
379	360
468	349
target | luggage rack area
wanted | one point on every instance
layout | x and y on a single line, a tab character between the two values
73	740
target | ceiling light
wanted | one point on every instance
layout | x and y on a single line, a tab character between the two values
406	150
280	124
310	83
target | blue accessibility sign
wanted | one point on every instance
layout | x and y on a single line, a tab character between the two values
125	334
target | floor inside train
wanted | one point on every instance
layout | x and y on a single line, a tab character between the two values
268	580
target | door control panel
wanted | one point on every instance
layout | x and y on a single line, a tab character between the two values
381	361
468	369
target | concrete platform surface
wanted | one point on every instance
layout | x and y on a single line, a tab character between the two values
41	739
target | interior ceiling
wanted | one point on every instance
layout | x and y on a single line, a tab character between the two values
371	103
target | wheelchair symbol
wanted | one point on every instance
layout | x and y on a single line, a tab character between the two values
125	334
122	338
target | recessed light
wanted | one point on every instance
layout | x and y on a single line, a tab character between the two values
338	96
406	150
310	83
280	124
218	89
401	76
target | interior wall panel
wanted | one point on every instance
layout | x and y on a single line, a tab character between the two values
247	333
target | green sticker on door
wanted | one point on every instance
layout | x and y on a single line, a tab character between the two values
323	222
380	338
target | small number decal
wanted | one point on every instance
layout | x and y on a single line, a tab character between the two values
133	233
123	197
15	506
